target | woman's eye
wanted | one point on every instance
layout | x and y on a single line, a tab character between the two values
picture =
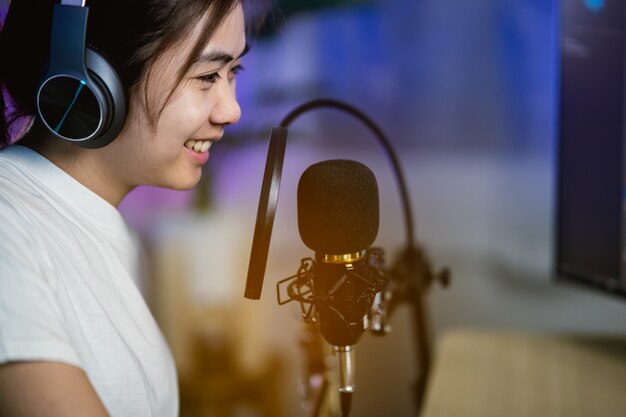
237	69
214	77
209	78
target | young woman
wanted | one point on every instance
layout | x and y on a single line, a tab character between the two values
76	337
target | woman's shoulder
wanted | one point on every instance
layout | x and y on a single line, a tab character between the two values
19	198
23	251
16	166
21	182
17	230
17	189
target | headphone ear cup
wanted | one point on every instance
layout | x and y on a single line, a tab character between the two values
80	98
104	77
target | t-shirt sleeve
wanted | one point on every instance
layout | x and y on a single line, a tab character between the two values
31	321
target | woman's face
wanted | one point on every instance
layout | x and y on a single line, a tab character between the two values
172	155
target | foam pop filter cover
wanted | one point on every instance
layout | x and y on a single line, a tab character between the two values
338	208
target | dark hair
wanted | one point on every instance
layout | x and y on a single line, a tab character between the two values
131	34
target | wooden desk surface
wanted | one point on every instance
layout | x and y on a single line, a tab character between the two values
499	373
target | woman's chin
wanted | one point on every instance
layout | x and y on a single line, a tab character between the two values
183	183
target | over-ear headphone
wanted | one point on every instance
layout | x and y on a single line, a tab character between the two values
80	99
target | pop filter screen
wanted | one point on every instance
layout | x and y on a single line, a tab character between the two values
266	213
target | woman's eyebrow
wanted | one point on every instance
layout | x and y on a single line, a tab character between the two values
246	49
220	56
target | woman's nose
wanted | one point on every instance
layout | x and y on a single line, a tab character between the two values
226	110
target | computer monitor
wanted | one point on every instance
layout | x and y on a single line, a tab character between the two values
590	191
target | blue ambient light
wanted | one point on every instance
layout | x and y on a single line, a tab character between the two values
594	5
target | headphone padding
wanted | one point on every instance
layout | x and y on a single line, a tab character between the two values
104	76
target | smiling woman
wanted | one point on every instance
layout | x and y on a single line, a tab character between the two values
138	95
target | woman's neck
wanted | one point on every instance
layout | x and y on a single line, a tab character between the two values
83	165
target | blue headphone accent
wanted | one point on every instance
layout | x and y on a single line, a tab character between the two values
80	99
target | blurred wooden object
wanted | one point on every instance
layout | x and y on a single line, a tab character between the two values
220	342
320	397
218	387
491	373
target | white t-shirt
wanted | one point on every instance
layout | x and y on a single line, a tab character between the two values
68	288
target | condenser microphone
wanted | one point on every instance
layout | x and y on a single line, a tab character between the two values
338	216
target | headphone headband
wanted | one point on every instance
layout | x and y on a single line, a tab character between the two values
79	3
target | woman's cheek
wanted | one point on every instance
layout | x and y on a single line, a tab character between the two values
184	116
197	110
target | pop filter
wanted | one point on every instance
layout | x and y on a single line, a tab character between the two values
271	184
266	213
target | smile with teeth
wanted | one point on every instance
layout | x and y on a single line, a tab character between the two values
198	145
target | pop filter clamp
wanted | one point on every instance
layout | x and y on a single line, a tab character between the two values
409	277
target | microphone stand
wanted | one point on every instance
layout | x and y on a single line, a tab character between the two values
411	276
316	385
411	273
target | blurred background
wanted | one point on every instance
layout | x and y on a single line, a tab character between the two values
467	93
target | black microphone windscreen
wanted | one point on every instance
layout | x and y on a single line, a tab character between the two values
338	209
